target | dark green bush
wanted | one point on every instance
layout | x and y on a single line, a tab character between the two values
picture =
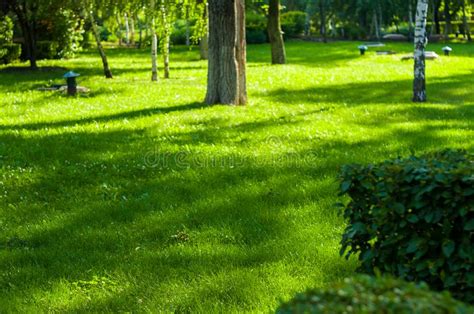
365	294
293	23
46	49
178	36
256	28
353	32
414	218
10	53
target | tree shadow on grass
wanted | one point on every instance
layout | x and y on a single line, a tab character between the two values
453	89
90	215
105	118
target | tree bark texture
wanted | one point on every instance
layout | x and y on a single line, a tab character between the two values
275	33
28	29
226	83
166	39
419	83
467	31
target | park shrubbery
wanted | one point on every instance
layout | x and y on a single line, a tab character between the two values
293	23
414	218
256	28
365	294
46	49
10	53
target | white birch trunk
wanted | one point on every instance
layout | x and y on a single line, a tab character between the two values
166	40
419	84
127	30
154	45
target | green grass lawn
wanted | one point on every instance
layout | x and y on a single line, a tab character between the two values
138	197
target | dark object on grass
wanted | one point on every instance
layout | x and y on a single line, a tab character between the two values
371	295
414	218
362	49
71	82
447	50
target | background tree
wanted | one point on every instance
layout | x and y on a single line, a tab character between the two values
275	33
89	7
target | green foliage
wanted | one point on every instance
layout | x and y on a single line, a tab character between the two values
353	32
178	35
6	30
293	23
68	33
414	218
371	295
10	53
46	49
256	28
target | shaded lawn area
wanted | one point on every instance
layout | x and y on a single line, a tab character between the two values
138	197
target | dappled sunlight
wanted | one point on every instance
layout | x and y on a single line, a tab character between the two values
143	197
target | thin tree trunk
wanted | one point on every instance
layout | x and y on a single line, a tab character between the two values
333	28
154	44
154	50
140	33
166	39
226	83
376	25
419	83
132	29
322	12
447	19
103	56
275	33
119	29
204	47
204	42
188	34
437	4
467	31
127	30
410	19
241	52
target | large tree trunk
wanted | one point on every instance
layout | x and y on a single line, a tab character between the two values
103	56
28	31
275	33
226	83
467	31
419	83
